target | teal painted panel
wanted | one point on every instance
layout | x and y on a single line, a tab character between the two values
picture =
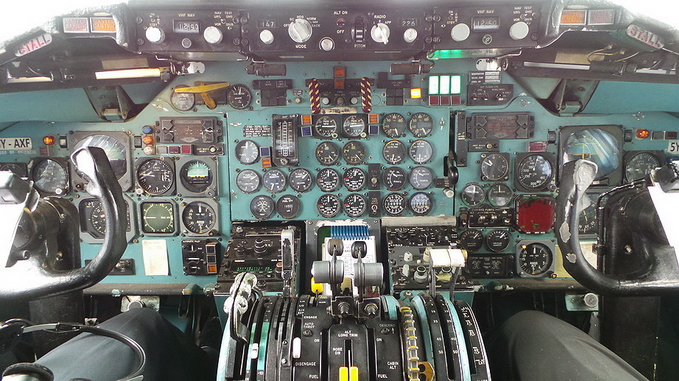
624	97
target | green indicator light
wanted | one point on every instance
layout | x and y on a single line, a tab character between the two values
446	54
455	84
444	85
433	84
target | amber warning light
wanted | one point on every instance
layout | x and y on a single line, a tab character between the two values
49	140
574	17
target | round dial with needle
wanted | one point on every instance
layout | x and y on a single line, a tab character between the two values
328	205
155	176
472	194
50	177
421	124
355	205
421	177
353	126
326	127
199	217
394	204
394	178
274	180
239	97
534	172
394	152
421	151
248	181
353	152
247	152
327	153
182	101
328	180
494	167
394	125
534	259
354	179
421	203
300	180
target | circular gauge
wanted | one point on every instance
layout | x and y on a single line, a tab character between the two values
247	152
587	223
394	204
328	180
497	240
353	126
157	217
534	259
421	178
472	194
640	165
328	205
421	203
155	176
182	101
500	194
93	218
248	181
354	179
50	176
274	180
355	205
394	125
421	151
199	217
534	172
326	127
421	124
300	180
471	239
262	207
196	176
394	152
394	178
288	206
353	153
239	97
115	151
327	153
98	217
595	145
494	167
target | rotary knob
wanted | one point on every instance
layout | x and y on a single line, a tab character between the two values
410	35
155	35
460	32
213	35
380	33
300	30
327	44
266	37
519	30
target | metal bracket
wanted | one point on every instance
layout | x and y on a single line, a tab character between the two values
572	95
111	103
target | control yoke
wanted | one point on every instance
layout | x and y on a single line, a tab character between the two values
660	277
47	232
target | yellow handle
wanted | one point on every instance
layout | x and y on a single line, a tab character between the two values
202	88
